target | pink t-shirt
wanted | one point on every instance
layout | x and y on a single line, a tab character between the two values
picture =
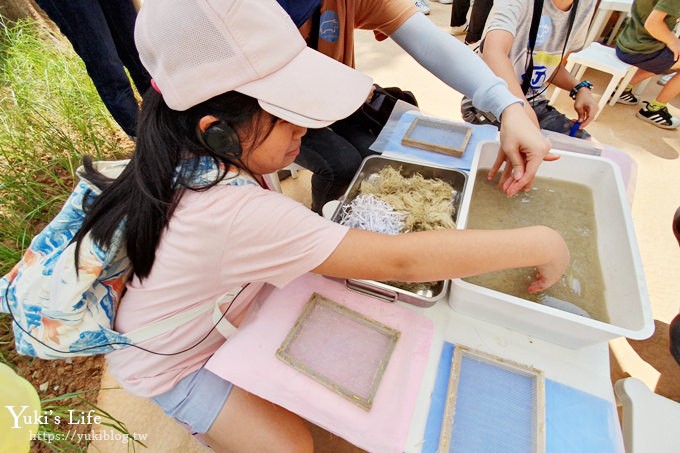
216	240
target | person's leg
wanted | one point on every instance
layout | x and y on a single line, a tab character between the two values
248	423
671	89
332	159
656	112
551	119
478	15
228	418
121	16
473	115
459	12
357	133
648	65
85	26
674	328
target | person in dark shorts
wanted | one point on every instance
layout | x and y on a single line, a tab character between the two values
648	42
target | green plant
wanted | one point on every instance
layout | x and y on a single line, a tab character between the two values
50	116
62	408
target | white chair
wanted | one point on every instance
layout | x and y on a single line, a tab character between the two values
604	11
601	58
650	422
273	178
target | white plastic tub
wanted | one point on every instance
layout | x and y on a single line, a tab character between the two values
627	302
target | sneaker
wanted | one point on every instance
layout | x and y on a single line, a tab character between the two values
473	46
423	6
627	97
664	80
460	29
473	115
660	118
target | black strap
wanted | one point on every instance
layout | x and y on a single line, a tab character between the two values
535	20
533	32
314	33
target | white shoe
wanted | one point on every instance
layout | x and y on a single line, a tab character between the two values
445	2
459	30
423	6
664	80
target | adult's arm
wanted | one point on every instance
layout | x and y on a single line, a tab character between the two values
523	147
445	254
453	63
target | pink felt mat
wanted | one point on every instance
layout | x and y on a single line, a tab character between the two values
248	361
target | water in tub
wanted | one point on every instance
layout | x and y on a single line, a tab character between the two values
568	208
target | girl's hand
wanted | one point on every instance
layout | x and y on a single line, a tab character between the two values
549	273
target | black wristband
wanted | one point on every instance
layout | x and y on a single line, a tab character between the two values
581	84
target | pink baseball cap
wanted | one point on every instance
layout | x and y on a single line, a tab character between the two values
197	49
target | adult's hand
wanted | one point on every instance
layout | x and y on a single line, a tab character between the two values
523	148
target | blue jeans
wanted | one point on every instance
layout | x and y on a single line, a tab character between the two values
102	34
196	400
334	154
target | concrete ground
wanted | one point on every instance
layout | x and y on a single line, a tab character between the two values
657	155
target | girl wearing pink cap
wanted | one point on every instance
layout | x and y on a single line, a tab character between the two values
236	90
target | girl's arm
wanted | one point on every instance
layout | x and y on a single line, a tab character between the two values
446	254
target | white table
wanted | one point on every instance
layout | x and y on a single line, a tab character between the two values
585	369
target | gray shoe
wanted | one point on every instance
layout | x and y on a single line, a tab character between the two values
664	80
423	6
460	29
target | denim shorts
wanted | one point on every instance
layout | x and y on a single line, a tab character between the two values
196	400
656	62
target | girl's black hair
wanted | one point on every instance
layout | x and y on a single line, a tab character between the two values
146	193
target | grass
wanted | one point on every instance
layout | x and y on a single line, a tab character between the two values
50	116
57	411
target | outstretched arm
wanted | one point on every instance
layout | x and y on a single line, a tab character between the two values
445	254
453	63
523	147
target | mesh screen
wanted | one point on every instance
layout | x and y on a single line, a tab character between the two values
340	348
495	408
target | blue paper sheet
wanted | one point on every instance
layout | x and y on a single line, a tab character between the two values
394	148
433	427
575	420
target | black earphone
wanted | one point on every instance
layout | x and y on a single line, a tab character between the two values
222	139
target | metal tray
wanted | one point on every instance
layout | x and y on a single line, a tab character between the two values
371	165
